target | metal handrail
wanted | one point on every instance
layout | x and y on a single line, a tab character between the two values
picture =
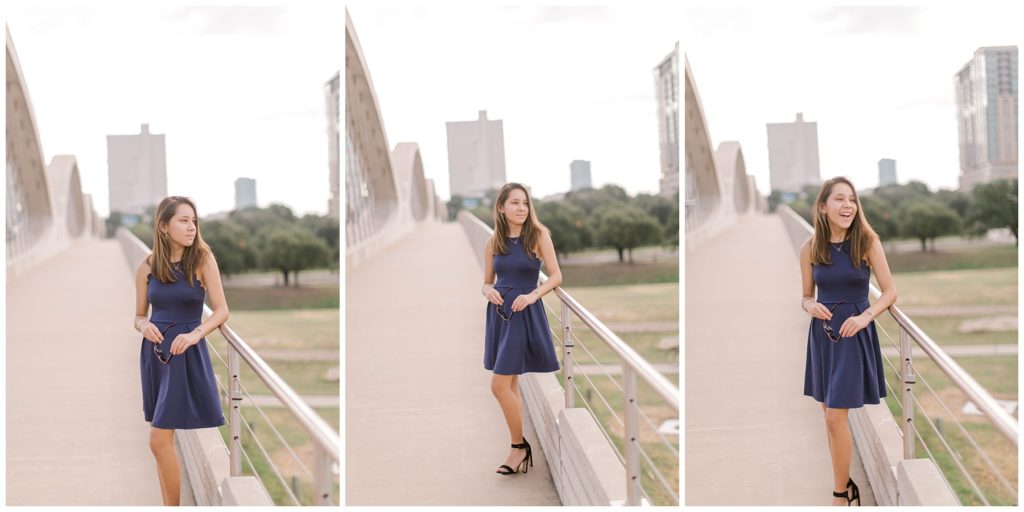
633	366
1003	421
328	442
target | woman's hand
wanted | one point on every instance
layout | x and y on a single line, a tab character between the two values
492	295
151	333
525	300
819	311
854	324
184	341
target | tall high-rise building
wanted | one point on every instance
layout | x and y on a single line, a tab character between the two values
332	91
987	99
136	171
886	172
476	156
579	174
793	155
666	80
245	193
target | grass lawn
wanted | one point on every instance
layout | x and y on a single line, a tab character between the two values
288	329
983	286
627	303
944	330
282	297
608	274
954	258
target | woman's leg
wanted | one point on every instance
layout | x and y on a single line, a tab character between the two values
511	407
161	443
841	446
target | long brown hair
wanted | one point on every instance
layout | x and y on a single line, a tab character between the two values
860	234
160	259
530	234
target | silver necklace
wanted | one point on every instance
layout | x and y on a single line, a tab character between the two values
515	240
840	248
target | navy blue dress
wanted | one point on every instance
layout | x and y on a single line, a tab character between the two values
849	373
183	393
521	341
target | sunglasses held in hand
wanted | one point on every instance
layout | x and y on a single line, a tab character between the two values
160	353
828	328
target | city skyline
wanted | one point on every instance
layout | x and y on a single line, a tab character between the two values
224	85
879	81
563	89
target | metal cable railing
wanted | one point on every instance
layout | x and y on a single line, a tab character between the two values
967	436
634	368
326	443
1005	424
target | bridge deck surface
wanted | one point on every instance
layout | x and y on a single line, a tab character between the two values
75	431
752	438
422	427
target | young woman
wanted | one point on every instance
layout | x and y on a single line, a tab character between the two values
518	339
179	389
844	361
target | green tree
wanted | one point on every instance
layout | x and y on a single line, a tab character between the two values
144	231
956	200
659	207
927	219
881	215
590	200
672	227
625	227
774	200
325	228
454	205
112	223
994	205
292	250
568	226
256	220
231	244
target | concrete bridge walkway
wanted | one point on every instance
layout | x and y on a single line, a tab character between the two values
422	426
752	438
75	430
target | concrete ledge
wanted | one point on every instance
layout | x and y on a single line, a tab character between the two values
583	464
204	456
245	491
920	483
880	445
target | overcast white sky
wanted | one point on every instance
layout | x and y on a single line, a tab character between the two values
568	82
237	91
878	80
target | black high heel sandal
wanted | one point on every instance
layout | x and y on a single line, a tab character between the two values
854	493
524	464
849	494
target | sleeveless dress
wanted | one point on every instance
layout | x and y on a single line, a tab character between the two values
520	342
183	393
849	373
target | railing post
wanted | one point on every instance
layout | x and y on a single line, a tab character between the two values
632	435
908	378
567	344
323	481
234	413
